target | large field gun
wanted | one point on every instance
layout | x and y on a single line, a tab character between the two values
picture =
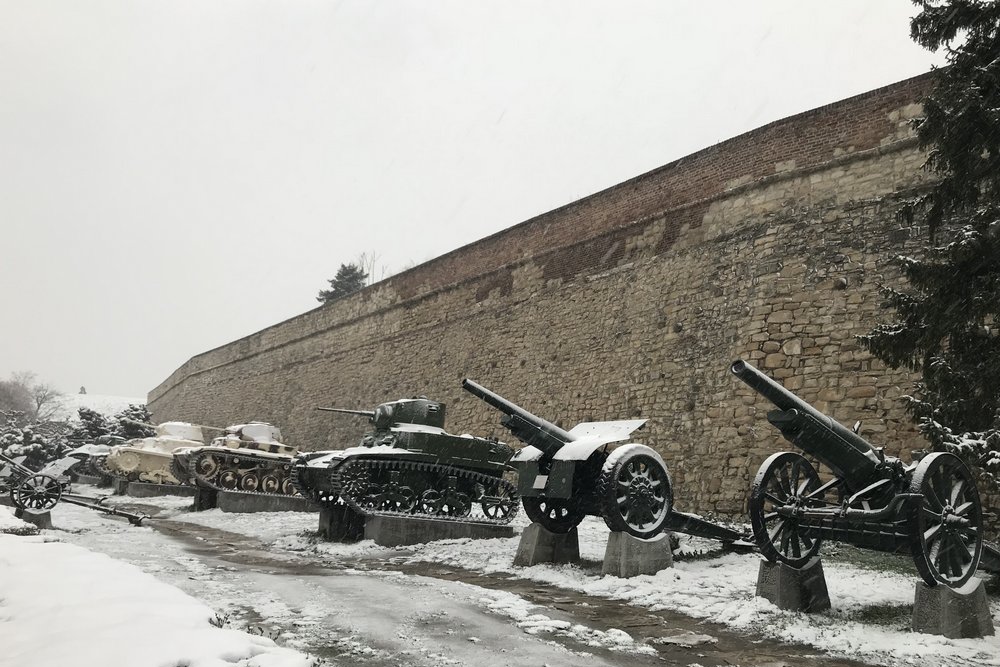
930	509
564	476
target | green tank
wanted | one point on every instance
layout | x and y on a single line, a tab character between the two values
407	464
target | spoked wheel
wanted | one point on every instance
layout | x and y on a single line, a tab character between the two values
355	480
635	491
501	507
786	481
555	515
38	493
228	479
948	524
397	497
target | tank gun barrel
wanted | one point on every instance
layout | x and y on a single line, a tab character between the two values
846	452
363	413
526	427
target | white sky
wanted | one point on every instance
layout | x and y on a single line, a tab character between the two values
176	175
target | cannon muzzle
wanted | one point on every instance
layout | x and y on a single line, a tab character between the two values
526	427
844	451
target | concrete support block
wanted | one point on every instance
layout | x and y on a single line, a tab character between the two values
205	499
147	490
630	556
42	520
392	531
119	486
262	502
538	545
956	613
88	479
794	589
341	523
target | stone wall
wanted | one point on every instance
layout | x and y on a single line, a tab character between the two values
630	302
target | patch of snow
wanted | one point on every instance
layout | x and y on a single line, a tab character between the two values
10	524
67	405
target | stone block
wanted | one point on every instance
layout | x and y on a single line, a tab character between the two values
539	545
205	499
341	524
794	589
956	613
87	479
262	502
629	556
42	520
392	531
147	490
119	486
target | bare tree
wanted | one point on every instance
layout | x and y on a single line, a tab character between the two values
23	392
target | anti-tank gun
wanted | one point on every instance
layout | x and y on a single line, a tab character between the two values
930	509
566	475
407	464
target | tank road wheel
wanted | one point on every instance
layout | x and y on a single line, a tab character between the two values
38	493
355	480
269	484
948	524
228	479
785	480
555	515
635	491
430	502
287	487
207	465
249	482
501	507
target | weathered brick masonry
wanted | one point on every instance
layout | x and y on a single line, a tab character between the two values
629	302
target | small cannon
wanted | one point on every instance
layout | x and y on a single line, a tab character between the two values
40	491
566	475
930	509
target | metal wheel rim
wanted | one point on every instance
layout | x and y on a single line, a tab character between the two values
228	479
38	492
785	479
249	482
270	484
641	488
948	521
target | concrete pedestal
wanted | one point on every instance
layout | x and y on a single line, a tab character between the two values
391	531
88	479
956	613
259	502
341	524
119	486
629	556
205	499
42	520
794	589
538	545
147	490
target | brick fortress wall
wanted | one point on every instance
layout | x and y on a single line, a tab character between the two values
633	301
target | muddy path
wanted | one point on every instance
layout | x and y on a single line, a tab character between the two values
678	639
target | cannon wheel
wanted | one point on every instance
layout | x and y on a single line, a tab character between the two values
948	524
556	515
635	492
784	479
37	492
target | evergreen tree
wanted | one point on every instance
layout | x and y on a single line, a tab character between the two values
92	425
946	319
349	279
29	441
133	422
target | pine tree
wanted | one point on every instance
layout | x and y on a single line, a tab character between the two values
133	422
947	317
92	425
349	279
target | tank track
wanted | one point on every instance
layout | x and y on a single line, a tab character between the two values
386	487
250	473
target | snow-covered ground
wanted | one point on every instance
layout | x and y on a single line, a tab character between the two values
68	404
869	620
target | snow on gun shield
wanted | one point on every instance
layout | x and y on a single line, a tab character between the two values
566	475
929	509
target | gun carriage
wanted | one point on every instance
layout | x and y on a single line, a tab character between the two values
564	476
41	491
930	509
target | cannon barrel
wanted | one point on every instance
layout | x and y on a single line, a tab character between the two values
363	413
844	451
526	427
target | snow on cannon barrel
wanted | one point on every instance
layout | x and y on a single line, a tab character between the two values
564	476
929	509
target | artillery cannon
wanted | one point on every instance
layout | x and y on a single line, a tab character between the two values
40	491
930	509
566	475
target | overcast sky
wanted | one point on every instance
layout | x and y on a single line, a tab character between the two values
175	175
